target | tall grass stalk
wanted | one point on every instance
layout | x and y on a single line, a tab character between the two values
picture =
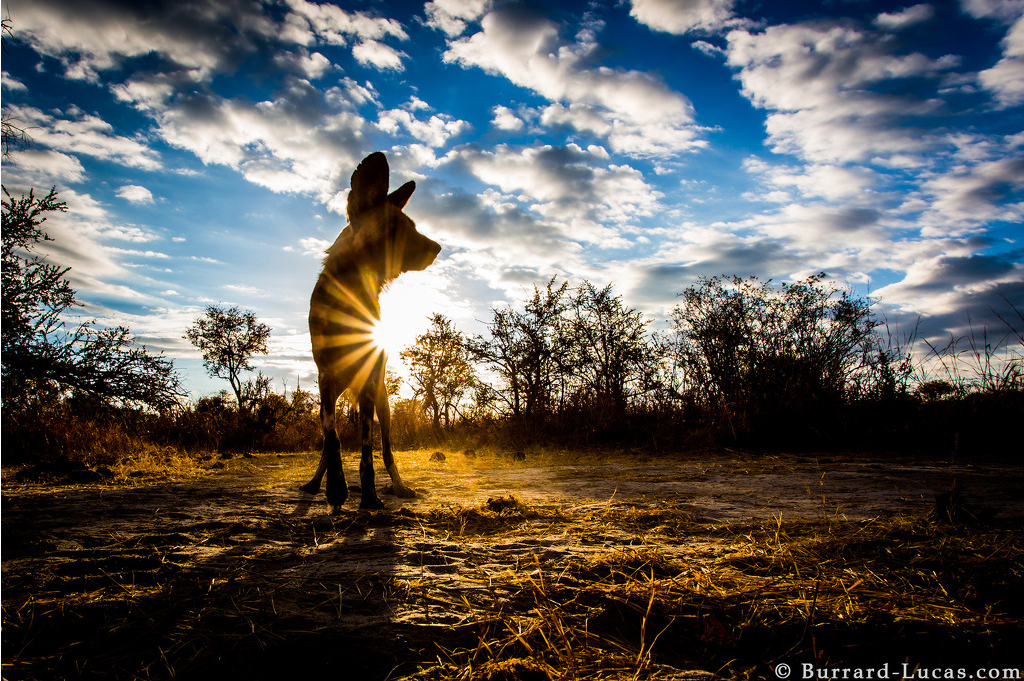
979	361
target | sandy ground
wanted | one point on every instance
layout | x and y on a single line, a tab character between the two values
157	573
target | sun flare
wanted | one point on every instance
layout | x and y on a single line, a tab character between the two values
403	316
391	334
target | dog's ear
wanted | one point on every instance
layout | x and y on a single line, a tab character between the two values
400	196
369	185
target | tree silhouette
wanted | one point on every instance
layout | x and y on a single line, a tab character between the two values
529	351
613	358
40	354
441	370
753	350
12	135
228	339
35	291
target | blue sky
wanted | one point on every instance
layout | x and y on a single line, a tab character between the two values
204	149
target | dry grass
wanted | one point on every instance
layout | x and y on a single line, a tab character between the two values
166	462
835	592
142	466
501	591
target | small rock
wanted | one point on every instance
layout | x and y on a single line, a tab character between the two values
437	456
509	502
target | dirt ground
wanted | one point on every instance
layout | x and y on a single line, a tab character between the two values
236	574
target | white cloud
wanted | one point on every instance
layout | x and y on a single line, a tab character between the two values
304	140
11	83
1006	78
639	113
137	253
88	239
333	24
708	49
41	167
653	138
1006	11
416	104
243	289
482	241
79	133
818	82
682	16
311	246
311	66
196	41
830	182
379	55
134	193
895	21
948	284
576	189
842	238
148	93
970	196
452	16
694	250
88	40
158	326
506	119
434	132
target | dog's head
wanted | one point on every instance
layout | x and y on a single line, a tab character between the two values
388	236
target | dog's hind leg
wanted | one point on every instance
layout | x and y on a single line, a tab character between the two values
384	417
313	486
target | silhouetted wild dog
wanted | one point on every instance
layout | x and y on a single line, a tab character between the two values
379	243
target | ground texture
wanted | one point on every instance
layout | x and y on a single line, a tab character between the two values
556	566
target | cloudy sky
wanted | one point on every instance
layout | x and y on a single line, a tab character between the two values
204	148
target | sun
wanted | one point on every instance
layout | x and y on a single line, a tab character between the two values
402	317
391	334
